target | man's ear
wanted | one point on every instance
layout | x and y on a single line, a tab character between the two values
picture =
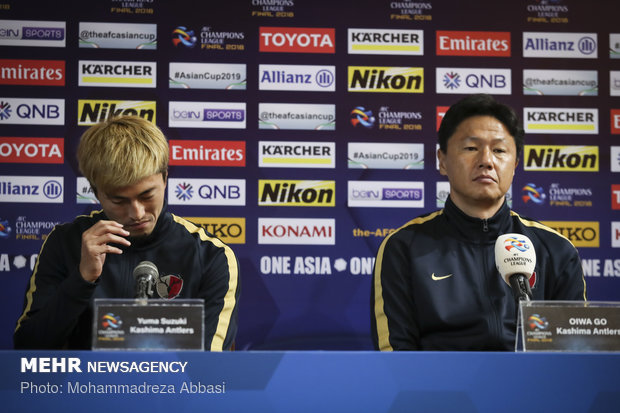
442	166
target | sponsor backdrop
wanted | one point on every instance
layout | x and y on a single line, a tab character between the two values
303	132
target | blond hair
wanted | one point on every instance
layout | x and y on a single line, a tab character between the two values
121	151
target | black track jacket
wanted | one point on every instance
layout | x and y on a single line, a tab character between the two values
436	286
58	303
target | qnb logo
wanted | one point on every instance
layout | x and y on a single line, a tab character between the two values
518	244
452	80
5	110
184	191
361	116
587	45
533	193
206	191
52	189
184	36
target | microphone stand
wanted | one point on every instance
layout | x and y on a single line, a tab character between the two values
521	291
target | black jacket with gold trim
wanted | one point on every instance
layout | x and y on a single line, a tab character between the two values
436	286
58	307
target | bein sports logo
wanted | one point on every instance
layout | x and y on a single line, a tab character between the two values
519	244
361	116
111	322
537	322
533	193
184	37
184	191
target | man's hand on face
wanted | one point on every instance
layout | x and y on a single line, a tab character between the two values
96	244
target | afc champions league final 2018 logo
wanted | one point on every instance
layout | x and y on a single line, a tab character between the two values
182	35
109	321
361	116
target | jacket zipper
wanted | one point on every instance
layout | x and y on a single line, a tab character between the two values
496	324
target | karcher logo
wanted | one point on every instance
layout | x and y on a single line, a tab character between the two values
229	230
561	158
560	120
296	193
386	79
581	234
95	111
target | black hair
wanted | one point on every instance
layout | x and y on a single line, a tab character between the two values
480	105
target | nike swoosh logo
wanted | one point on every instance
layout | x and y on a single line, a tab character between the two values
435	278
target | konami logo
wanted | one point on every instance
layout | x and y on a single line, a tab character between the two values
31	150
207	153
297	40
296	231
460	43
32	72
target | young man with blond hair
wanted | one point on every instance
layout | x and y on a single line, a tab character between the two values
125	159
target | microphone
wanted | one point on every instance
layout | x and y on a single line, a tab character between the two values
515	260
145	275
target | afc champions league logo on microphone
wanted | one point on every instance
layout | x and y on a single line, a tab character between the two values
518	245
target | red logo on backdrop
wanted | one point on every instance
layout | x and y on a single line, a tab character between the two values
297	40
458	43
615	121
615	197
207	153
32	150
441	111
32	72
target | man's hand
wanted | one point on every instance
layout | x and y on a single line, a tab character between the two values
95	246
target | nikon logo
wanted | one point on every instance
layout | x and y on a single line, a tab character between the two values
561	158
581	234
95	111
296	193
229	230
386	79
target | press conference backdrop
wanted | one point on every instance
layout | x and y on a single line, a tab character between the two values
303	132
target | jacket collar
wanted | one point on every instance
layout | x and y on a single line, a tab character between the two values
475	229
